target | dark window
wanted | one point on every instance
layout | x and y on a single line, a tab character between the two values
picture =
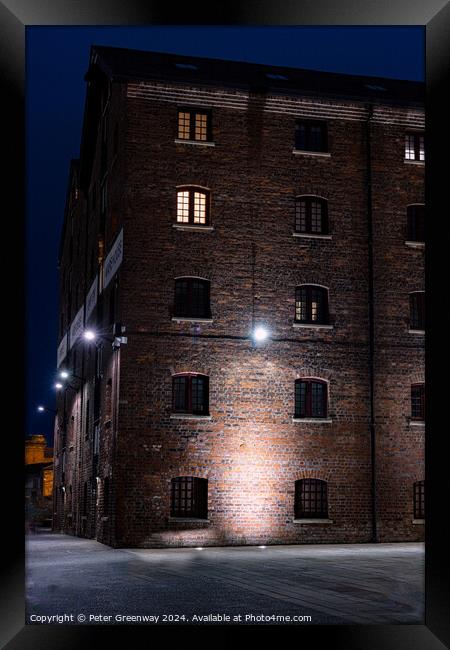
194	124
116	140
189	497
311	136
419	500
84	510
311	215
418	401
86	428
416	222
192	298
193	206
310	398
414	146
417	310
190	394
106	495
311	304
311	500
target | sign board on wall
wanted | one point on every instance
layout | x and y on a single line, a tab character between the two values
91	298
77	327
62	351
113	260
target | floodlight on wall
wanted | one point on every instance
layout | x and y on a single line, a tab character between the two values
260	334
89	335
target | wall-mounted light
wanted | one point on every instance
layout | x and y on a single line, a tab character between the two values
59	386
64	374
89	335
260	334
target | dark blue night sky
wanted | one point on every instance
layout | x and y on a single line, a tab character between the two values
57	59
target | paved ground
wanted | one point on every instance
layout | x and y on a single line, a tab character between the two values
356	583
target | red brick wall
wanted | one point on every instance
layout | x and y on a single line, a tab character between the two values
250	450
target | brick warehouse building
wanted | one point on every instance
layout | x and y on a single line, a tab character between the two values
213	199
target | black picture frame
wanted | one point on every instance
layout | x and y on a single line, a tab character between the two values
434	15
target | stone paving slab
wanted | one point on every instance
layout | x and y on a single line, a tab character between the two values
335	584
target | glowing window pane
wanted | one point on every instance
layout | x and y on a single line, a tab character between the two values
409	147
183	125
201	126
183	207
421	148
199	207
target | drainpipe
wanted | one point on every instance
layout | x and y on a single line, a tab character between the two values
373	486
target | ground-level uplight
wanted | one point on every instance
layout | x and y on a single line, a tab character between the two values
262	547
260	334
199	548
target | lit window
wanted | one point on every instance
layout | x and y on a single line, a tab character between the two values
419	499
192	298
416	223
190	394
414	146
417	310
311	305
311	499
193	206
310	398
189	497
194	124
311	136
311	215
418	402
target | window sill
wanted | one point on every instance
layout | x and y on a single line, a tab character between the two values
189	416
418	522
196	142
188	226
415	244
183	319
320	154
416	331
304	235
189	520
417	423
316	326
312	521
415	162
313	420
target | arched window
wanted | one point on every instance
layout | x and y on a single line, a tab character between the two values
311	499
193	205
192	298
189	497
418	402
311	215
190	393
415	215
311	398
311	304
417	310
419	499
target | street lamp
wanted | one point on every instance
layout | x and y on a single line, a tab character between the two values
42	409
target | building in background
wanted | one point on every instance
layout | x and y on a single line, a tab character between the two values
243	246
38	480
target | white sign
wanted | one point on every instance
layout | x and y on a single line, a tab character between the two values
113	260
76	329
91	298
62	351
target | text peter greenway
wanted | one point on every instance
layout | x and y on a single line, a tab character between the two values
167	618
